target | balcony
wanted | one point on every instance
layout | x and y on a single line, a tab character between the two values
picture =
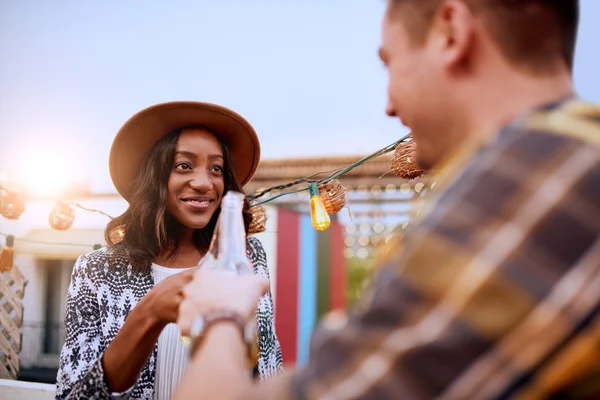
41	345
26	390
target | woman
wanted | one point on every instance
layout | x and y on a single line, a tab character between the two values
173	163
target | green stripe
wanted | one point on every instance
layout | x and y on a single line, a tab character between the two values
323	272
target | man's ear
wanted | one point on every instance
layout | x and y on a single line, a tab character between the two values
452	30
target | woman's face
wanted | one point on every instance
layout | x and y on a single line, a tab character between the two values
196	181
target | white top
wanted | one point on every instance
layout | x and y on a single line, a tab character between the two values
173	356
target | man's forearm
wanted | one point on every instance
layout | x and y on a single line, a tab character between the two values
218	368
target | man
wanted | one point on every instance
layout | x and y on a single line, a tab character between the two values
496	292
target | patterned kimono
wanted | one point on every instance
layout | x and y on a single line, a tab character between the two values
99	300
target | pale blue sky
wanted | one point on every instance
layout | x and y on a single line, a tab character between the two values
305	73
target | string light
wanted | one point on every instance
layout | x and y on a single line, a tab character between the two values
61	217
259	220
11	205
117	235
91	210
8	254
363	241
310	179
348	253
362	253
320	217
48	243
403	161
332	196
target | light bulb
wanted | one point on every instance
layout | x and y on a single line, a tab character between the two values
8	254
320	217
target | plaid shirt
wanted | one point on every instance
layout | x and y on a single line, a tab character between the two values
495	292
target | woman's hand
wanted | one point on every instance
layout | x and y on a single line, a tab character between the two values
128	352
213	290
164	299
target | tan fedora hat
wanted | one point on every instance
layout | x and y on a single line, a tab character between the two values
137	136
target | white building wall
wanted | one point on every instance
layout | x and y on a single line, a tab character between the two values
33	309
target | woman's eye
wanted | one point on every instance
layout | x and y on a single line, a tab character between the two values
217	168
183	165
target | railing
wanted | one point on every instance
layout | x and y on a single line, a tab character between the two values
39	355
26	390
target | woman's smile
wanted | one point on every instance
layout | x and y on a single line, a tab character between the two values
198	203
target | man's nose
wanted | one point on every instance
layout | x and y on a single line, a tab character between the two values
389	109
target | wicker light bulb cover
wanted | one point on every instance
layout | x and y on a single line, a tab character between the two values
117	234
403	161
259	219
334	196
12	205
61	217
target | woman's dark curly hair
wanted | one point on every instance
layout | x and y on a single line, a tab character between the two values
149	229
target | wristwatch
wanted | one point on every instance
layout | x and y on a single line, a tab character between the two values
202	323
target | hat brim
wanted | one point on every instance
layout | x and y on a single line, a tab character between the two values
140	133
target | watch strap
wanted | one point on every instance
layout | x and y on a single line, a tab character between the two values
203	323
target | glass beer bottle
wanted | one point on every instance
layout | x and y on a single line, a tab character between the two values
227	252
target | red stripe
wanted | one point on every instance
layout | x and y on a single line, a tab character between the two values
286	309
337	281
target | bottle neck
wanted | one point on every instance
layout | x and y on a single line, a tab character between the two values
232	231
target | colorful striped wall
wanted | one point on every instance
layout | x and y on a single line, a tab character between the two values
307	277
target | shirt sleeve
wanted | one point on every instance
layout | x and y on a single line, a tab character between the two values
270	360
484	294
80	373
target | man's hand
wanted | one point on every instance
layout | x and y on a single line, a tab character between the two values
213	289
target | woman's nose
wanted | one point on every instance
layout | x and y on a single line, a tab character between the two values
201	181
